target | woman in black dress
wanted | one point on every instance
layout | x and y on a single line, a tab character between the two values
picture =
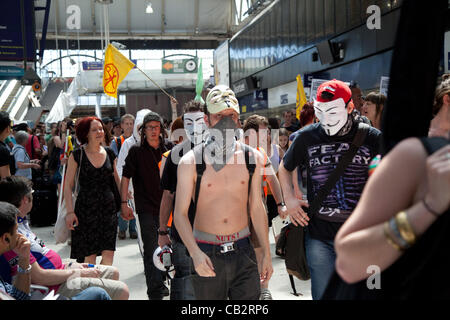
94	220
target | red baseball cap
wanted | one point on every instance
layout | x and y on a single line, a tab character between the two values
335	87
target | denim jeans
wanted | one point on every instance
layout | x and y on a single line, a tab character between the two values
154	277
181	285
124	224
321	259
92	293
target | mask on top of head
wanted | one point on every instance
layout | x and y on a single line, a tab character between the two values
333	115
138	123
195	126
221	98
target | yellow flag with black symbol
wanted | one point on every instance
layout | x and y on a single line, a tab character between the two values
115	69
301	97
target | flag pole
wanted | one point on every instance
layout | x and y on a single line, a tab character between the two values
155	83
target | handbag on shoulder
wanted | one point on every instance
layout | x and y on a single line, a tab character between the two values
61	232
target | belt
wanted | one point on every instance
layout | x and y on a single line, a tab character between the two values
225	247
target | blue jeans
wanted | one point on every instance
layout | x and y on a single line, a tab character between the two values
181	285
123	224
92	293
321	259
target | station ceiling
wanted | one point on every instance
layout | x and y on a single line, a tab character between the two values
173	24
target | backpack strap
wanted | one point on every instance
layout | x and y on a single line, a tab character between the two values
250	163
200	167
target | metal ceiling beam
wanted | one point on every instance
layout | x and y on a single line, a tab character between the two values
125	36
58	23
196	16
94	24
163	17
129	16
156	44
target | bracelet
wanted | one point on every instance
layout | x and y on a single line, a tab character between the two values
405	228
389	237
429	209
70	212
281	204
124	201
394	228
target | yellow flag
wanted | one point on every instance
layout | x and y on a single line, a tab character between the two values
115	69
301	97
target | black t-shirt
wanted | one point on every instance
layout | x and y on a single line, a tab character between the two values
320	153
5	157
141	164
169	180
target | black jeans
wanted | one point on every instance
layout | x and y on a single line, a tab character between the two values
181	285
237	276
154	277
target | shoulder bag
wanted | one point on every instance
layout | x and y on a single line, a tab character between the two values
61	232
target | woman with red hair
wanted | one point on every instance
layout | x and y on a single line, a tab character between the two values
94	221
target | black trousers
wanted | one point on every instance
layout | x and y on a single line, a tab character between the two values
154	277
237	276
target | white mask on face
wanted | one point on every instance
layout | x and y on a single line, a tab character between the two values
195	126
332	115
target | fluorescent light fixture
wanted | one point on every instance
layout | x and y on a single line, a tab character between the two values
149	8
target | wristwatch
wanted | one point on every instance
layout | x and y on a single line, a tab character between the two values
163	233
281	204
25	271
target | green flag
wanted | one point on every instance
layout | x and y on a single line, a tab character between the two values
199	85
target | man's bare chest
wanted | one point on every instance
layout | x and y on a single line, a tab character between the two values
233	178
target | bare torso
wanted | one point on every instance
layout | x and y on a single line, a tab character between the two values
222	203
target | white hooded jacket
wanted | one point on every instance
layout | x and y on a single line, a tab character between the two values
131	141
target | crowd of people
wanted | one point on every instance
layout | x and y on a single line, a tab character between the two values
208	186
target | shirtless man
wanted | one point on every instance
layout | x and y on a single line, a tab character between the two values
223	256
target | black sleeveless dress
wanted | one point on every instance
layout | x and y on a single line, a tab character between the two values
95	208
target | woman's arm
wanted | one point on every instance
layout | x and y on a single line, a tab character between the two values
392	188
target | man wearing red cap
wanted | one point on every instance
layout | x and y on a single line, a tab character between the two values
320	147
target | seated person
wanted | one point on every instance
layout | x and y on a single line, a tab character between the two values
47	267
11	240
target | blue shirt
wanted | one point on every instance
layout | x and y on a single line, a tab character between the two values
21	155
